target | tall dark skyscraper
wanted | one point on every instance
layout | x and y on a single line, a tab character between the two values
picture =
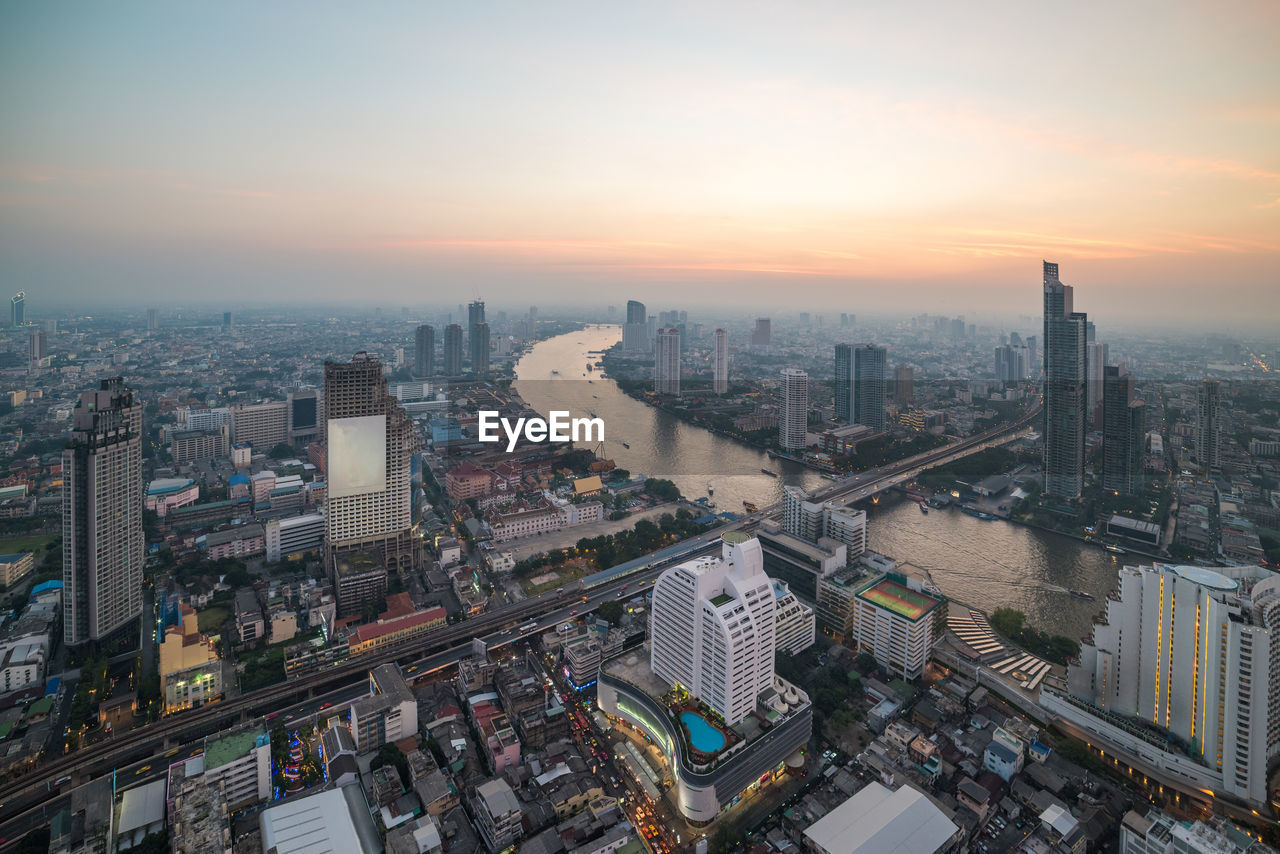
452	350
226	320
480	348
904	382
475	313
844	383
1124	429
1065	393
424	351
18	309
763	332
869	385
103	548
1208	425
635	332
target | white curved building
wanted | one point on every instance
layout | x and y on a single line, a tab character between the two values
712	626
1193	652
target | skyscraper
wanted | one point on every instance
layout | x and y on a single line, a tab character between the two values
452	350
843	386
1065	372
1011	363
666	365
37	347
480	348
475	313
793	420
1123	433
103	548
762	333
1208	425
813	521
1096	358
635	332
153	319
868	385
424	351
1190	650
904	382
370	442
712	627
226	320
18	309
720	362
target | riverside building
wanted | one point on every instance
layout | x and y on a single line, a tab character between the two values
1181	675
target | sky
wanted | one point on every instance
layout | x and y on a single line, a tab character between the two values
852	156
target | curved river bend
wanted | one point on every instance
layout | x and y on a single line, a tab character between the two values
982	563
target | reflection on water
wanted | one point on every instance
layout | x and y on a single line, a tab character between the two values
983	563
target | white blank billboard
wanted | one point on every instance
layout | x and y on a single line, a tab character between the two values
357	463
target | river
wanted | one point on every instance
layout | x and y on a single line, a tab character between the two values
982	563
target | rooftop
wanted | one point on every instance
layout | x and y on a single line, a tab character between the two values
219	750
903	601
878	820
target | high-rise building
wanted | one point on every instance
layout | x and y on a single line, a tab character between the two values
1124	432
37	347
793	419
263	425
812	521
452	353
306	417
480	348
635	332
226	320
18	309
103	547
1011	364
868	394
843	385
1096	358
1208	425
712	627
153	319
369	442
898	622
666	364
720	362
1065	401
762	333
475	313
424	350
904	382
796	628
1191	651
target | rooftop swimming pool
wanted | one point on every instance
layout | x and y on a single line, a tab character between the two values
705	737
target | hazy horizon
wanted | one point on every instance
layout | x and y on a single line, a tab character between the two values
907	159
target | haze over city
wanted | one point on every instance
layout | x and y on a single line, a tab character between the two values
850	156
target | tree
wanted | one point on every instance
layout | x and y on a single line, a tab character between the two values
282	451
610	611
664	489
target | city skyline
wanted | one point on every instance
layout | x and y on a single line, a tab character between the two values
829	151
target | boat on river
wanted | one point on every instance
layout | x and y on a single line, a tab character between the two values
924	508
1114	549
751	507
770	473
1080	594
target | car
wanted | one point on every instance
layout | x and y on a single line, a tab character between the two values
573	613
325	706
144	769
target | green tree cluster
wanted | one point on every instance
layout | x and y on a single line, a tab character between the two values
1011	623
